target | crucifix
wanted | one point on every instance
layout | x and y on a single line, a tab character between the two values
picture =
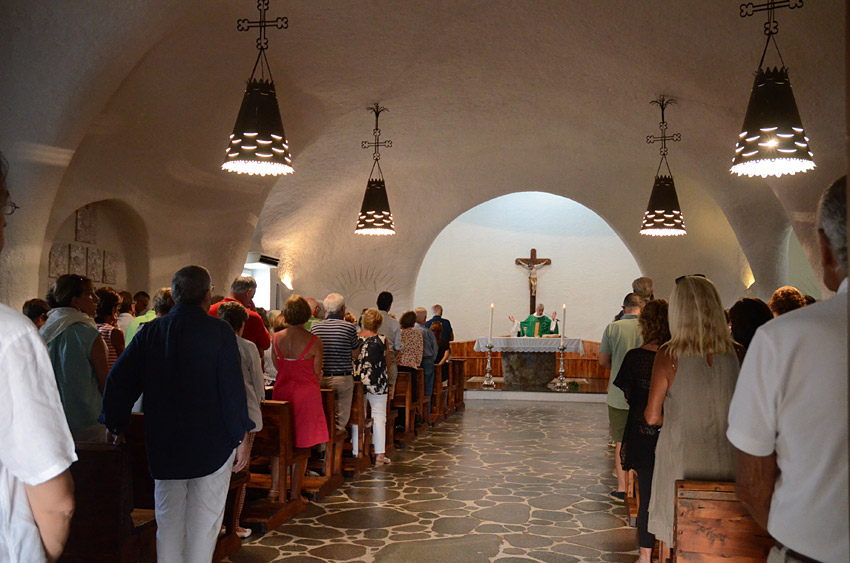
532	263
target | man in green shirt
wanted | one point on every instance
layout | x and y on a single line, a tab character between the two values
619	337
537	324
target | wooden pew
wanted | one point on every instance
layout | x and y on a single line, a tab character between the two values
275	440
106	526
403	399
459	372
143	487
353	465
710	524
438	398
329	468
420	402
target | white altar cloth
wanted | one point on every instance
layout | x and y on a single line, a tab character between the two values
519	344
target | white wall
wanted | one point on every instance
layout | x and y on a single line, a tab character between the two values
471	263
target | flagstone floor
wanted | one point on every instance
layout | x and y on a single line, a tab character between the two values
503	481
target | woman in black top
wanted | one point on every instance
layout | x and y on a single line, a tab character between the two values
639	438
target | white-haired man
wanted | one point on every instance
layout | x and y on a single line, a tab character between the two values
341	348
788	417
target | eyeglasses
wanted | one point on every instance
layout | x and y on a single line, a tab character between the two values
212	287
10	207
680	278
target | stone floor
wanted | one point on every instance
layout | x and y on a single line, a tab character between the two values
502	481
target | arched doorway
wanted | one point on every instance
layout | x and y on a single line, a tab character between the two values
471	264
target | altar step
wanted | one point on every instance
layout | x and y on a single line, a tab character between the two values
536	396
578	385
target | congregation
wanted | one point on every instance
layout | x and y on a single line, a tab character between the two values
695	392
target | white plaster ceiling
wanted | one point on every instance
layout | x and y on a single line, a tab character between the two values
486	98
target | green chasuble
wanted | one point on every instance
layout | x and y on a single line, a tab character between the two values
542	325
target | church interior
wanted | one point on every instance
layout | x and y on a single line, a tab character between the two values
513	126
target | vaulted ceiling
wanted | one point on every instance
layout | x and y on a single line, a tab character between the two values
135	101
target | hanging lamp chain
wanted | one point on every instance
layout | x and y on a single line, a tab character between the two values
245	24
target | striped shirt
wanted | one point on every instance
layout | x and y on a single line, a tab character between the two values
106	333
339	338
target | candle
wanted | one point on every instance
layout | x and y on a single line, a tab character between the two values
563	320
490	336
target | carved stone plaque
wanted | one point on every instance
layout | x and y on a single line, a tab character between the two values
110	267
58	262
86	225
95	264
78	260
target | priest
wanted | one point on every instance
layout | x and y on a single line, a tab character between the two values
536	324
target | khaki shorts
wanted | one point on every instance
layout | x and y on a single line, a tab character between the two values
617	422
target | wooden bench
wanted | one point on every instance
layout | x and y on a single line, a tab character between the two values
353	465
275	441
438	398
329	467
632	498
403	399
420	402
458	368
106	525
710	524
143	487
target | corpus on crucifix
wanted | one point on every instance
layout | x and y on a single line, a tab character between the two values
536	324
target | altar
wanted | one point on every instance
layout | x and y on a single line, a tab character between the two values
529	364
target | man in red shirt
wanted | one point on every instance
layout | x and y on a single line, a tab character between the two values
242	290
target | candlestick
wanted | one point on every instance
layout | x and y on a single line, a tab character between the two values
490	336
563	320
489	384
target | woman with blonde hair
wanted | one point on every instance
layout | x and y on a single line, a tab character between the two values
693	378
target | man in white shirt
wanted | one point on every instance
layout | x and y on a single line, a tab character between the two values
788	417
36	489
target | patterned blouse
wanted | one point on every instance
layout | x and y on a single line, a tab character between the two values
412	344
372	364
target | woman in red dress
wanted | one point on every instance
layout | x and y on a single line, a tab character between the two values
298	357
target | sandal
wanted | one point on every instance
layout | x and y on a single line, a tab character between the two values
243	532
382	460
273	494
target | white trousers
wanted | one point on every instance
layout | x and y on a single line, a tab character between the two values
379	426
189	514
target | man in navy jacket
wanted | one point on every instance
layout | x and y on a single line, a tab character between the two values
188	367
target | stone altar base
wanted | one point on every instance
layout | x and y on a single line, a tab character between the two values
528	371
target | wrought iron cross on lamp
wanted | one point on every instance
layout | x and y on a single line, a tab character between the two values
258	144
375	217
663	216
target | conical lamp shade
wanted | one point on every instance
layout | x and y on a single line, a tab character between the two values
258	144
375	216
663	217
772	141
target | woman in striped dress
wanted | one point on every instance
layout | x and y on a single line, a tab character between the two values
106	319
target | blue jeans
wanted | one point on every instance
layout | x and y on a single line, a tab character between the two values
428	368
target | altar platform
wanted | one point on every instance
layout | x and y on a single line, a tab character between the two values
581	366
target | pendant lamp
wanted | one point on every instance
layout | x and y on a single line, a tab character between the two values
375	216
258	144
772	141
663	216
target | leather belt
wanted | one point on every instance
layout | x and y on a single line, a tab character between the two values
348	374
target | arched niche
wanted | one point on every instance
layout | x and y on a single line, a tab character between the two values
110	229
471	264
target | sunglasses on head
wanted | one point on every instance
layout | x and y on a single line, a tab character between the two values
680	278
